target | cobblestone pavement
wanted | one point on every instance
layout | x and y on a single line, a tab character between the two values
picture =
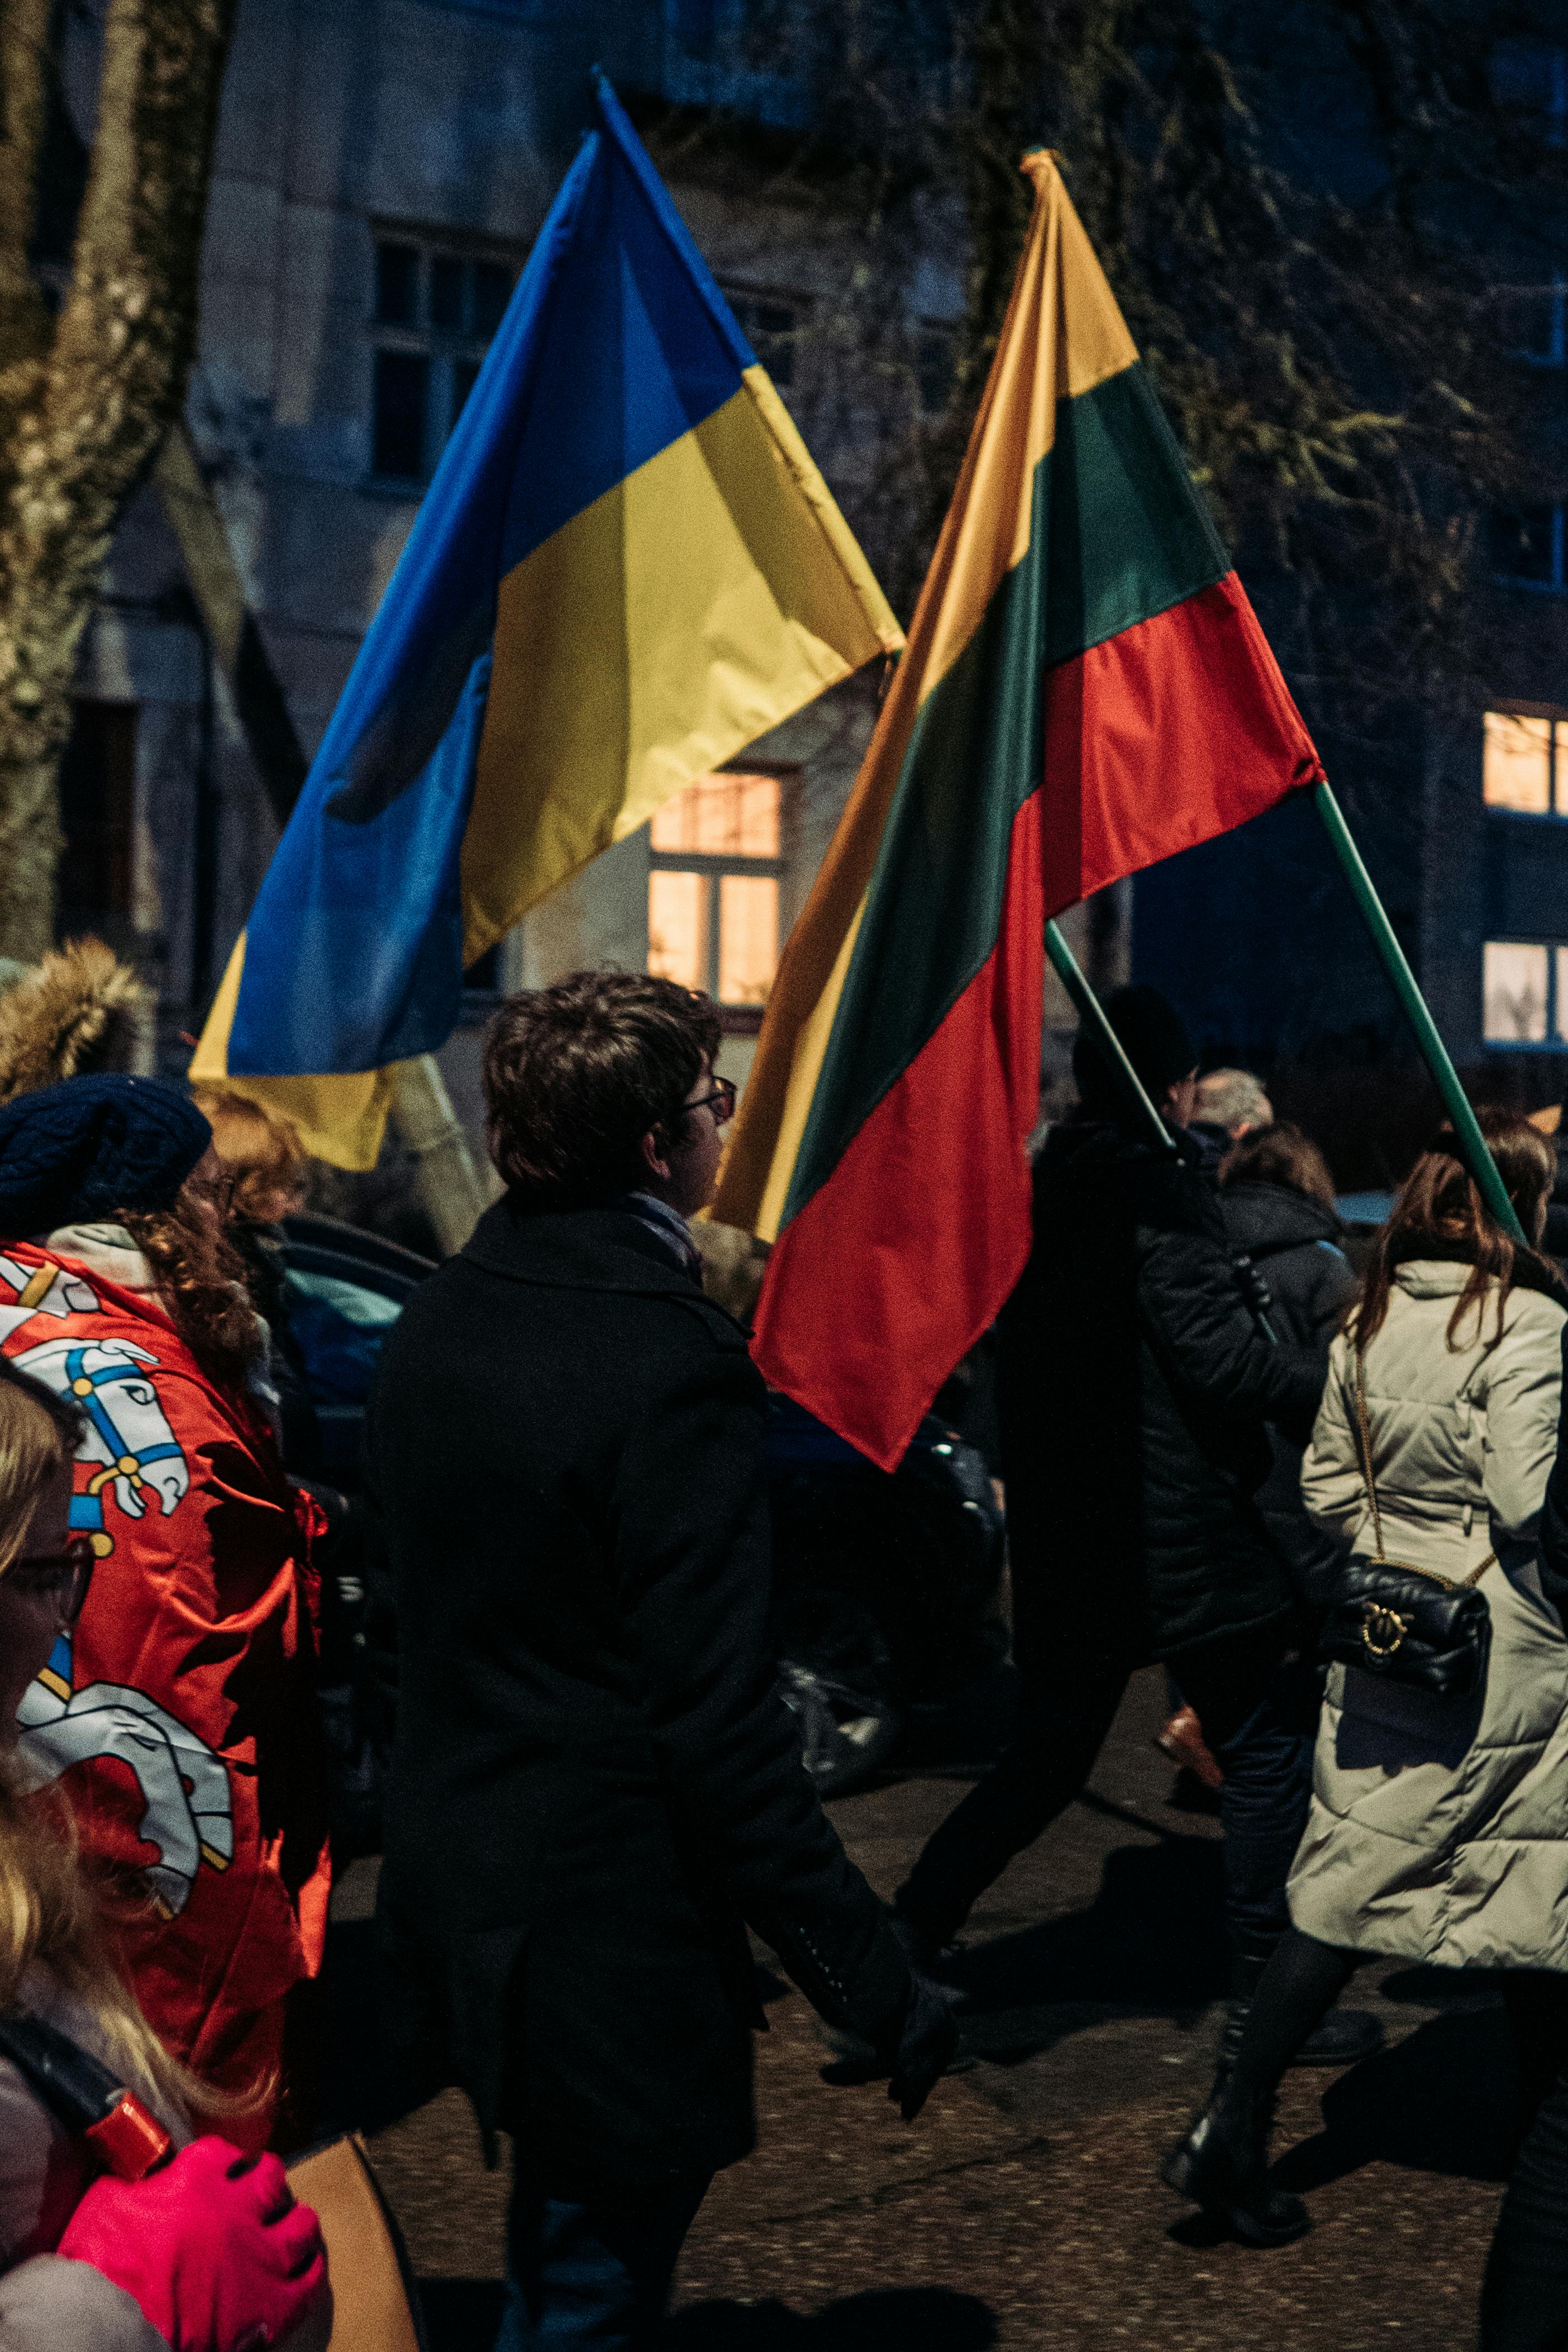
1022	2209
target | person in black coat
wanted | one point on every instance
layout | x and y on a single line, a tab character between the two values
596	1787
1277	1199
1136	1392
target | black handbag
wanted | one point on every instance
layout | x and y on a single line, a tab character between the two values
1407	1624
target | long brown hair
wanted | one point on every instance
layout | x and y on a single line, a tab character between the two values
1279	1154
199	1278
49	1912
1440	1208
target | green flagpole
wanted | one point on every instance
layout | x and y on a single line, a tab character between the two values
1090	1008
1434	1052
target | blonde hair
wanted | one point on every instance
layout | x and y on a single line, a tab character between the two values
263	1156
50	1914
36	1444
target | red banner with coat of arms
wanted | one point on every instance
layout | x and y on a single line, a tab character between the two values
179	1716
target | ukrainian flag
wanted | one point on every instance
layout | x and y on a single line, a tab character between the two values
626	568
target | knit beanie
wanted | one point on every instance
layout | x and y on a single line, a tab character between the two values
80	1150
1155	1040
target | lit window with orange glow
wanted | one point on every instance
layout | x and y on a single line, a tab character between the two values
716	860
1525	764
678	928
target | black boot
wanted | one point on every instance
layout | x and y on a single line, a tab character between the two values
1223	2165
1343	2038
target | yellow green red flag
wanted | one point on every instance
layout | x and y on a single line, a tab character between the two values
1086	690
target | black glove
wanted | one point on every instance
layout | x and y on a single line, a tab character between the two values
915	2053
926	2046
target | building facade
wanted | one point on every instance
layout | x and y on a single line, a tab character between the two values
1458	799
382	167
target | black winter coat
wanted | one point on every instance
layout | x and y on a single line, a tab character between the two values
1554	1512
1134	1388
1293	1242
594	1782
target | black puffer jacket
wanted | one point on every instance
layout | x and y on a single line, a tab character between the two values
1293	1242
1554	1240
1133	1389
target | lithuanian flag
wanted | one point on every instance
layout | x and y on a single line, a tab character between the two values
1086	690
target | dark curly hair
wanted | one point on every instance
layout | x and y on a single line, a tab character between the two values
199	1278
576	1075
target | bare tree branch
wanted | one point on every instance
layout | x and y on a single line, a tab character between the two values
24	45
89	417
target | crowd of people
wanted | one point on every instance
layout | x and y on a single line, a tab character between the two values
1216	1434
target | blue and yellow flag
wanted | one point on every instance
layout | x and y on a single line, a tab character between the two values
625	569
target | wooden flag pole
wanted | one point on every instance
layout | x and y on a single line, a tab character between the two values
446	1176
1090	1008
1434	1052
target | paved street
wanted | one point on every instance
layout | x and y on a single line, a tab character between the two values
1022	2210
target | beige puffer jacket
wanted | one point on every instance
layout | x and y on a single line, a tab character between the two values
1439	1830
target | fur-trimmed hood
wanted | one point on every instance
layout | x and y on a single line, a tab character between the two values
73	1015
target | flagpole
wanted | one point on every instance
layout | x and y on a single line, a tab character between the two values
1434	1052
446	1175
1090	1008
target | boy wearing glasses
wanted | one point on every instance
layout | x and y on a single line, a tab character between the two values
596	1787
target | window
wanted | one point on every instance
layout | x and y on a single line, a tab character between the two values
717	855
1524	765
1527	547
401	405
693	26
731	53
771	326
98	799
1532	78
1533	323
435	313
1525	993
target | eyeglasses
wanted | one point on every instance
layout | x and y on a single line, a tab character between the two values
721	1102
62	1577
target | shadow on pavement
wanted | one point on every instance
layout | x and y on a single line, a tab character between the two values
895	2319
1443	2100
462	2315
1152	1942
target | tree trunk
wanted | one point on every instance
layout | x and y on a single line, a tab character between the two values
81	419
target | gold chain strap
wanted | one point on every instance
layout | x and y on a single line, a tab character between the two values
1447	1583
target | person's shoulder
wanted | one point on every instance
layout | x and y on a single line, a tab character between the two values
37	2172
707	1324
51	2304
1535	1315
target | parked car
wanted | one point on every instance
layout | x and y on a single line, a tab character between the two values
346	1288
887	1593
887	1589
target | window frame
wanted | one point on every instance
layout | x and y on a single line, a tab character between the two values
1557	713
1552	1042
743	294
1556	297
740	1020
1558	584
446	350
